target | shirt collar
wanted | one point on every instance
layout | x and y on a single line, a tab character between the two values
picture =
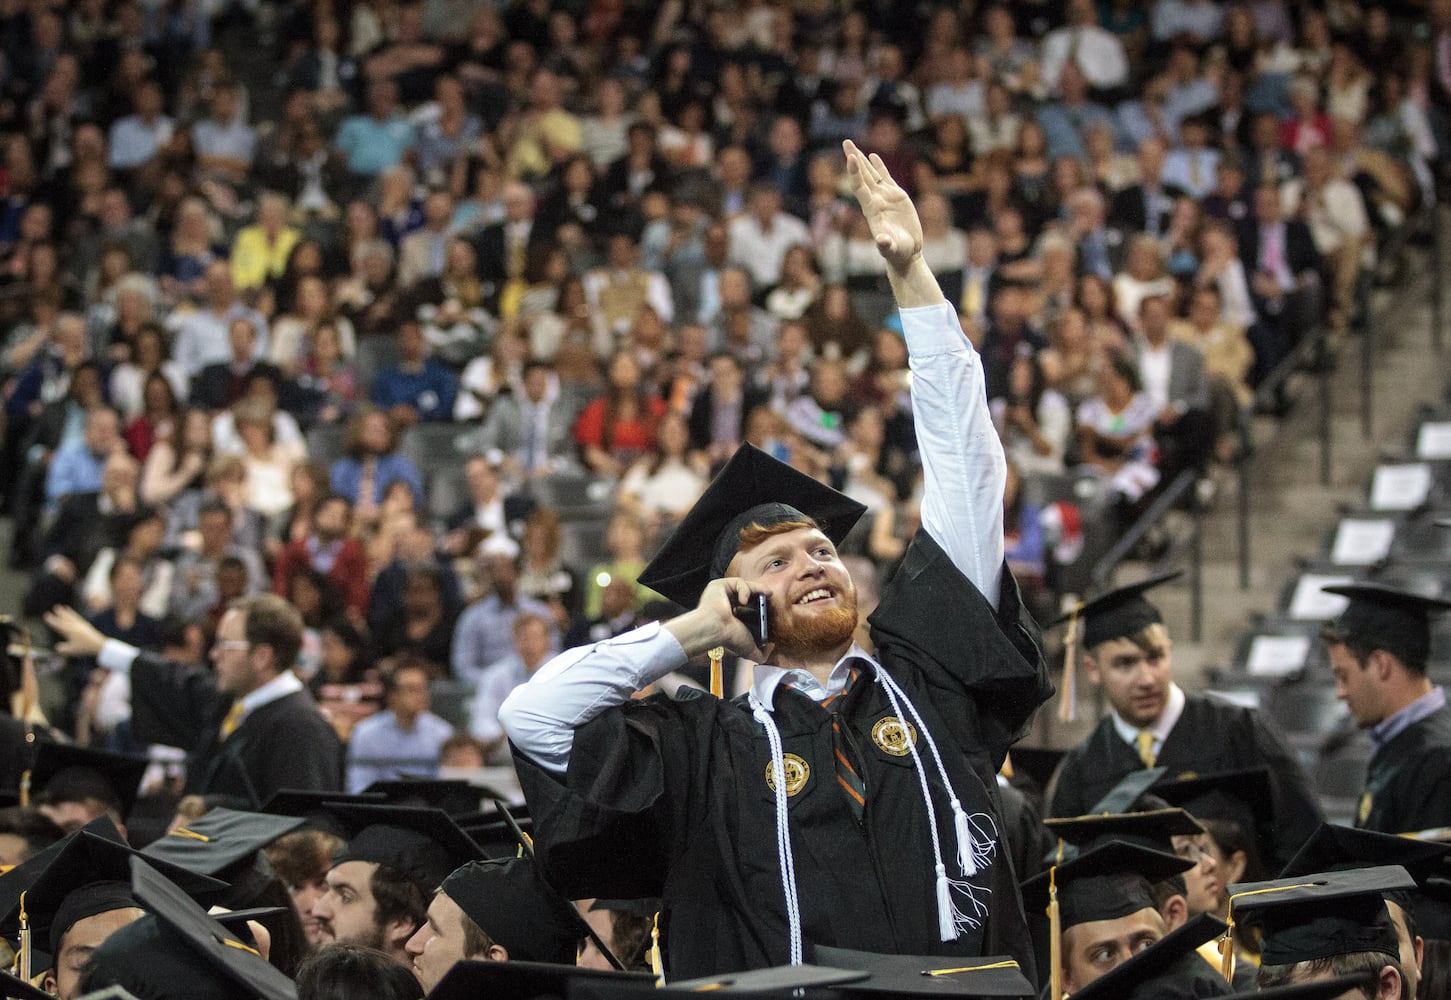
768	678
279	687
1162	726
1388	729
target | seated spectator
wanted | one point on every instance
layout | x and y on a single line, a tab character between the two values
1144	206
1025	545
310	308
1279	255
820	417
124	618
617	616
760	238
267	462
422	253
547	134
1192	166
485	629
944	246
202	335
1009	334
835	328
369	297
1063	119
327	382
225	144
423	630
371	463
76	467
376	141
1084	46
483	515
194	590
859	465
490	377
618	290
148	357
138	137
330	550
260	251
529	432
619	426
788	374
417	388
1334	210
225	480
452	307
625	559
315	597
1033	420
447	132
142	546
413	545
718	416
543	575
1116	430
799	286
664	485
1228	358
532	647
346	685
1143	277
403	739
218	386
84	526
159	419
1307	126
177	463
1173	378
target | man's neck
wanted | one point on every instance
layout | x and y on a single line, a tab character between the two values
405	722
818	665
1404	695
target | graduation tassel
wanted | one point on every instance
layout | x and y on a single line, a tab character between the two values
1068	697
946	918
965	850
717	684
1226	949
25	788
1055	936
23	959
657	966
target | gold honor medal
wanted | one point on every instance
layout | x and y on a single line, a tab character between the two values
894	736
797	771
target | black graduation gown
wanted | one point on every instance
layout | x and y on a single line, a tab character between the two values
1212	735
1408	784
669	798
283	744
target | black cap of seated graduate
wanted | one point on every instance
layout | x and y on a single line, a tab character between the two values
64	773
86	874
920	975
1242	797
513	980
1321	915
220	841
1121	613
178	952
454	796
1154	829
752	488
1112	880
424	845
518	910
1169	969
1124	797
308	805
1389	618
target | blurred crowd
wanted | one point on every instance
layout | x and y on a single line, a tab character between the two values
434	317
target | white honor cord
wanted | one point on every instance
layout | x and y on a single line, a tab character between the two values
783	831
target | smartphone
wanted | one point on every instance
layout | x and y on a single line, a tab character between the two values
753	614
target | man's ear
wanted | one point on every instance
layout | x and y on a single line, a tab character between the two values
396	933
496	953
1389	984
1090	669
1175	912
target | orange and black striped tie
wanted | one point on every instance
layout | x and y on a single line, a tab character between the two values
846	773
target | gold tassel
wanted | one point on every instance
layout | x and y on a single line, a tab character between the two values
25	788
657	964
1226	950
717	684
1068	697
1055	936
23	959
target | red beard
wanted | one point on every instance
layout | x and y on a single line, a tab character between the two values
800	635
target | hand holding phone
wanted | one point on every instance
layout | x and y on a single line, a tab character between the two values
754	615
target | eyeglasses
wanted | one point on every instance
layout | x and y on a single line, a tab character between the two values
241	645
1193	852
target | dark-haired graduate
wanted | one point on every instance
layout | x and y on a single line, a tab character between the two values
849	798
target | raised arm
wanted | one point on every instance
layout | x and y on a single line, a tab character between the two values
962	458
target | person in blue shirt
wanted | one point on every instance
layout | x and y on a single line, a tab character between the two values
372	463
376	141
404	739
418	388
76	467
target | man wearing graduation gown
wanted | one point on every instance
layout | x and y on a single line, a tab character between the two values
1155	723
1378	650
250	727
828	776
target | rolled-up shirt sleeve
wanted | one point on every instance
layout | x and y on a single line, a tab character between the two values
117	655
579	684
962	458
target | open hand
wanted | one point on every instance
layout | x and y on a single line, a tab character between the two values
889	212
78	636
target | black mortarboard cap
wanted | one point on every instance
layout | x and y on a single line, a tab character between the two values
1243	796
308	805
1321	914
454	796
1155	829
215	842
1433	909
1124	797
1341	848
779	981
1388	618
64	773
180	953
1169	964
937	975
85	874
15	988
1109	881
424	845
494	834
526	980
1118	614
514	906
752	488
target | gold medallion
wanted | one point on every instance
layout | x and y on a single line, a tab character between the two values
797	771
894	736
1363	813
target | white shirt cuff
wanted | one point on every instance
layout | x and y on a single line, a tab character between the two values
933	329
117	655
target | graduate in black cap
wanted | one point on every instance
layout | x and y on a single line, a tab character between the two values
496	911
1326	924
248	725
76	894
1127	651
73	785
846	800
1378	651
379	886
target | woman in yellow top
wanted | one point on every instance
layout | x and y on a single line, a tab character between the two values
260	250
